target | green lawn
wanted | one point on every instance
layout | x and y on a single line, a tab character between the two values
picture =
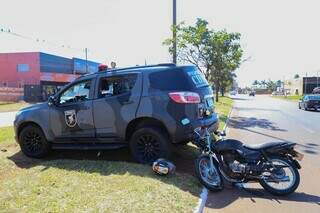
12	106
68	185
6	135
96	186
223	108
289	97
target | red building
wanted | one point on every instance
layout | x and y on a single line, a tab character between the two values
40	74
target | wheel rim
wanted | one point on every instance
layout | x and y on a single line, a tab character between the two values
33	141
286	173
209	176
148	147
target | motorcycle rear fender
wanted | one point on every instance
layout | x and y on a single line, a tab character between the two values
296	163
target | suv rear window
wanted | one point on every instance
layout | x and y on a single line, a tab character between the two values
197	77
314	97
173	79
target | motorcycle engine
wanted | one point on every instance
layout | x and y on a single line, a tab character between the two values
237	167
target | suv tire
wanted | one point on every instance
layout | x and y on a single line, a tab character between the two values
147	144
33	142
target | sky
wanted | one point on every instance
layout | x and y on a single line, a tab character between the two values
281	37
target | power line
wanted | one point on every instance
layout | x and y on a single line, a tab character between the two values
39	40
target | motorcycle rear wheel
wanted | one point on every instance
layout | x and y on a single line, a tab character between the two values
212	180
273	188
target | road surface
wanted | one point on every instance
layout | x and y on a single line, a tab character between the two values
7	118
263	119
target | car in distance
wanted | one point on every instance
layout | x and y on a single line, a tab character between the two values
310	102
233	92
252	93
146	108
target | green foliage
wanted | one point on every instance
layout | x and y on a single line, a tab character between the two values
296	76
216	53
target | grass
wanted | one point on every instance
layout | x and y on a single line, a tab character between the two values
69	185
223	107
6	135
12	106
289	97
97	186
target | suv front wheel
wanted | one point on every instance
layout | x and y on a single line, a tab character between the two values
147	144
33	142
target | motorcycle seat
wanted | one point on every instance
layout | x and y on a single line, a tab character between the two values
264	145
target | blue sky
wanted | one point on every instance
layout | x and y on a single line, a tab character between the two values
281	37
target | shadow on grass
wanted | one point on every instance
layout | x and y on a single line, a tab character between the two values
228	196
101	162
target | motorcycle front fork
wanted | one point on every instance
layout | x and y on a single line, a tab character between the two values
208	138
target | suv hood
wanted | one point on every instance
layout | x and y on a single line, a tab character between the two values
34	107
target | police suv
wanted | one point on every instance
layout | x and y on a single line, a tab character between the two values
147	108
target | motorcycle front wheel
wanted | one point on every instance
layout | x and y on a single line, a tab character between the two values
209	177
284	178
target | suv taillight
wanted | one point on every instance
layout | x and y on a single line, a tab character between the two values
185	97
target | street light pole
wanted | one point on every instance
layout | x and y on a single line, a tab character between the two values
174	32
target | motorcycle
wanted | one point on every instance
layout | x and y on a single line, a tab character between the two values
274	165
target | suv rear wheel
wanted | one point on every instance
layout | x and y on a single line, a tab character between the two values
33	142
148	144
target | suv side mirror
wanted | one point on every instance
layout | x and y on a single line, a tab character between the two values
51	101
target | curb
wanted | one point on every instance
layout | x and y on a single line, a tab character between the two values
204	193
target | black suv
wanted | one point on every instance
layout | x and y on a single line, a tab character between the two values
146	108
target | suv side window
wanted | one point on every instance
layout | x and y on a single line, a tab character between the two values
116	85
76	93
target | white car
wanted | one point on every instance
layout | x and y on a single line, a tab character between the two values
233	93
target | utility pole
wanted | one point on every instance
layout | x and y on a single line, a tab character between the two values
317	78
284	90
86	51
305	84
174	32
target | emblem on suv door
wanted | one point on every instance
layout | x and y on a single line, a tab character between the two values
70	117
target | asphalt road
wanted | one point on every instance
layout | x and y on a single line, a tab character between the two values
263	119
7	118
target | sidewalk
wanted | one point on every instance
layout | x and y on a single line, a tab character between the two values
7	118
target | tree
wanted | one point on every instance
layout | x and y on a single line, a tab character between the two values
296	76
256	82
192	42
217	54
271	85
225	57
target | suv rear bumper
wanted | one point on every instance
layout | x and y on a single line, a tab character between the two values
185	133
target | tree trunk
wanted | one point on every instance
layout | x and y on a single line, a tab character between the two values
222	92
217	94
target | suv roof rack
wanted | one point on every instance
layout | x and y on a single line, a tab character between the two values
145	66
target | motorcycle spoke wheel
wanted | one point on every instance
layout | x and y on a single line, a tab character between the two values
208	175
282	177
